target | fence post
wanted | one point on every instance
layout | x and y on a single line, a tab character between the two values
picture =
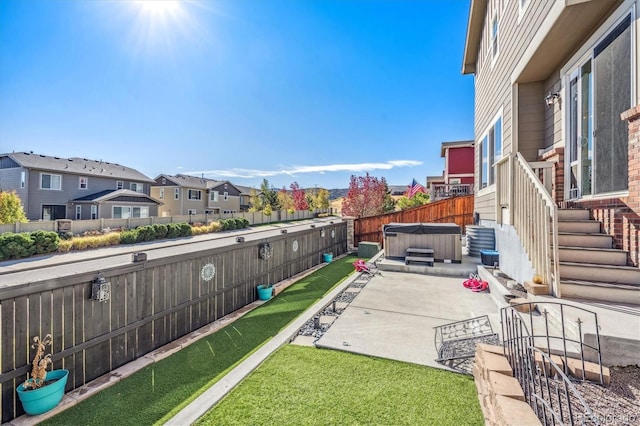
350	232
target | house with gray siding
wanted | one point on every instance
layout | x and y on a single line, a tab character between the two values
556	140
184	195
75	188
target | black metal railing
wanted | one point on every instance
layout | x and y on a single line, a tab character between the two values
530	342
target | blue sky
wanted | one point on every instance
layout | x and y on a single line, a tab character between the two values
290	90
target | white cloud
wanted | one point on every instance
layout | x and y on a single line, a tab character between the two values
292	171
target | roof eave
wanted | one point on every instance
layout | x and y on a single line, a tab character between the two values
474	32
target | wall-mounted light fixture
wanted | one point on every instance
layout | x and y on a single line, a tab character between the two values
239	239
100	289
283	231
322	233
551	98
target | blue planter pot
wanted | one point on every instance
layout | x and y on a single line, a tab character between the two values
38	401
264	293
327	257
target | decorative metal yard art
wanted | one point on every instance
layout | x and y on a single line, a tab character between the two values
264	251
456	342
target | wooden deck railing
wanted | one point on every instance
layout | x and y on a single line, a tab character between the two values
440	192
535	217
458	210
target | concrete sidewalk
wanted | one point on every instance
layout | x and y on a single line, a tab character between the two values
394	315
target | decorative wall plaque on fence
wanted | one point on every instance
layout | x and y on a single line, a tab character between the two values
295	245
208	272
264	251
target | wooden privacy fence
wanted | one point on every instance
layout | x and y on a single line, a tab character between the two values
152	303
458	210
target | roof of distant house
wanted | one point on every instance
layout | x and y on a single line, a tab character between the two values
454	144
191	181
76	165
113	194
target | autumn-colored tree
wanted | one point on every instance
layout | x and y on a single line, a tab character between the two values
256	201
286	200
11	210
299	197
367	196
420	199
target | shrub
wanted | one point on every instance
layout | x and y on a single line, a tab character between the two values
146	233
66	245
66	235
244	221
160	230
215	226
173	230
45	241
129	237
15	246
185	229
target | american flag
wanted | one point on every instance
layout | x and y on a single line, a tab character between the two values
414	189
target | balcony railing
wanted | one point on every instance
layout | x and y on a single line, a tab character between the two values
440	192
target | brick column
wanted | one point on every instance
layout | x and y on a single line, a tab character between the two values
556	156
350	232
633	117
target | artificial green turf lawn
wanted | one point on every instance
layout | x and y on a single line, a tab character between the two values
157	392
308	386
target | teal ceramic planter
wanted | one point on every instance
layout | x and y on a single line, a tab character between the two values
327	257
38	401
264	293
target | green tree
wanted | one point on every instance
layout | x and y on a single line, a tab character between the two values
318	198
286	200
11	210
269	196
420	199
389	204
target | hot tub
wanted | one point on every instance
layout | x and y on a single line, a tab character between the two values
443	238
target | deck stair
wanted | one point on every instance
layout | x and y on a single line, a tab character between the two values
421	255
589	266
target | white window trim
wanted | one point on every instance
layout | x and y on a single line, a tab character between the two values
192	212
113	208
191	191
213	196
119	185
176	193
137	185
494	56
226	195
522	8
584	53
86	182
51	189
491	187
23	179
94	211
161	194
78	212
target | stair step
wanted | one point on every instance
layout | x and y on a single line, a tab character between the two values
428	260
419	250
600	273
573	214
608	292
593	255
596	240
582	226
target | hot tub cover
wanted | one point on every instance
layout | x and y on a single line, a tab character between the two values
421	228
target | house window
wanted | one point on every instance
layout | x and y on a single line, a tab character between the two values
490	148
48	181
176	193
229	211
125	212
213	196
137	187
494	37
94	212
23	179
191	211
83	182
162	193
119	184
195	194
78	212
599	89
164	181
226	195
